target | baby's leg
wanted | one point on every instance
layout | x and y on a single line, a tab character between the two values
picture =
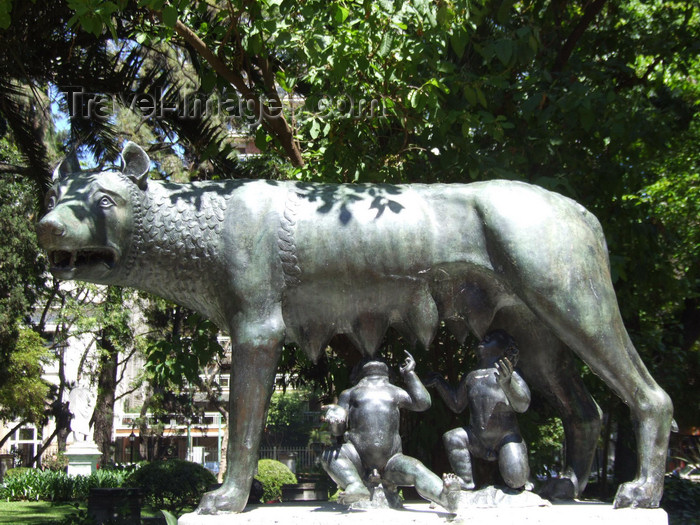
457	445
405	471
344	466
513	464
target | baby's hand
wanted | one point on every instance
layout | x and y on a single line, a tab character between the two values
432	379
409	364
504	370
333	414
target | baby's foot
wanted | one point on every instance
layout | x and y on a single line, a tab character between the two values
353	493
451	491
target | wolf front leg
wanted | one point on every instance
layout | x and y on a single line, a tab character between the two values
256	348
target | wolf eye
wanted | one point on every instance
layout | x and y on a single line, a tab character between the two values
51	203
106	202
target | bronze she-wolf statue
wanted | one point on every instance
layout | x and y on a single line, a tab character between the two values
275	262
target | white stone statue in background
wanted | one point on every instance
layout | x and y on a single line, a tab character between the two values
81	404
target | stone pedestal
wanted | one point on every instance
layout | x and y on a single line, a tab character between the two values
7	461
326	513
115	506
82	458
304	492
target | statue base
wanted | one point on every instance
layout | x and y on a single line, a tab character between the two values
82	458
499	498
380	498
421	513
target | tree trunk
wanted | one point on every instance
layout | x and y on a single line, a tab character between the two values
103	417
607	430
60	410
62	438
625	448
690	319
143	425
224	449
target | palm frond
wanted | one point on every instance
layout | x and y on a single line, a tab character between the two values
24	115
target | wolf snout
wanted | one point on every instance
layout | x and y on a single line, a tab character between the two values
48	227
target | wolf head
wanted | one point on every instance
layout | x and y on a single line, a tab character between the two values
89	223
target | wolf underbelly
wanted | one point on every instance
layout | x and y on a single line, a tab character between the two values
361	263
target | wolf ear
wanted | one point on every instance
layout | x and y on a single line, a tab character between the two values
69	165
135	164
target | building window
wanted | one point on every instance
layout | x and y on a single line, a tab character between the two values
27	434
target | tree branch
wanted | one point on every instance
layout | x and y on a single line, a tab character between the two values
127	392
44	445
274	122
14	169
11	431
45	312
567	49
122	363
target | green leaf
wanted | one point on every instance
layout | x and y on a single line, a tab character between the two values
466	129
470	95
385	46
340	13
208	80
413	98
480	97
169	16
458	41
587	119
503	13
285	83
387	6
315	129
504	50
255	44
5	11
262	139
170	519
444	15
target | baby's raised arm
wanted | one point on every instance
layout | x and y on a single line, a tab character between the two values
418	397
456	399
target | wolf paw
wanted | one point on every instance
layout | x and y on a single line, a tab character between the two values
224	500
638	493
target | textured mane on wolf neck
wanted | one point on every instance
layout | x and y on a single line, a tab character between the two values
176	243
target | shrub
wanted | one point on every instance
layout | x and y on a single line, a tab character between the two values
17	471
681	500
20	484
273	474
55	485
51	485
102	479
56	462
173	484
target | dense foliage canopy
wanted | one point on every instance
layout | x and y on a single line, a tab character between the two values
595	99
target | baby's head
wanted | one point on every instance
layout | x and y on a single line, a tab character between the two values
371	368
496	344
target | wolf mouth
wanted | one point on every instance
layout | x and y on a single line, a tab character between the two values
69	260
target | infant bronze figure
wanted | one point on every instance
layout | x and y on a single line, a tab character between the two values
367	416
495	393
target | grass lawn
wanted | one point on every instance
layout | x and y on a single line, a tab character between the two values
47	513
33	512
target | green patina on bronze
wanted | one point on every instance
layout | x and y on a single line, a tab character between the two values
276	262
